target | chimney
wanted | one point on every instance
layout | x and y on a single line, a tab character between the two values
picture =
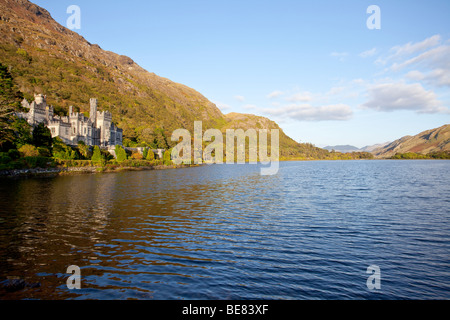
70	111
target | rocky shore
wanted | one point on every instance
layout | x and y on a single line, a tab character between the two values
51	172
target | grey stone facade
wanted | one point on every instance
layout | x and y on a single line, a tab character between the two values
97	130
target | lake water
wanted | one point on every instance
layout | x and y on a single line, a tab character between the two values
226	232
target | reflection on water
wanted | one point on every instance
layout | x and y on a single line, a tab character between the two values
226	232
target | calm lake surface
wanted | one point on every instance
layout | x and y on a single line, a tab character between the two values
226	232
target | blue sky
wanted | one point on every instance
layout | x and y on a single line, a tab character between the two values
312	66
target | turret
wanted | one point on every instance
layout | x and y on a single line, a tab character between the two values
93	111
39	98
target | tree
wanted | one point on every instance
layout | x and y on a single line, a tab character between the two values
10	98
63	151
29	151
145	153
137	156
150	155
121	154
85	151
42	137
166	157
97	157
160	139
147	136
22	132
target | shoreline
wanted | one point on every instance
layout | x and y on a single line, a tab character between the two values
66	171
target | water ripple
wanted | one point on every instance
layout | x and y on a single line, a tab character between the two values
225	232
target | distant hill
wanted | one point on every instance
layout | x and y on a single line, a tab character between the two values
342	148
373	147
430	141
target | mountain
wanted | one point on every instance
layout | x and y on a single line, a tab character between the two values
430	141
342	148
373	147
45	57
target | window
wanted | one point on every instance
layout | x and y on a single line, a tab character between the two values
53	130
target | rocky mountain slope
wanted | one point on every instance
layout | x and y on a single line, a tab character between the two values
45	57
434	140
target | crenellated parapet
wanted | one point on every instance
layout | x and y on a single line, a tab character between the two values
98	129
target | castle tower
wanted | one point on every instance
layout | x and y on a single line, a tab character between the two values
40	99
93	111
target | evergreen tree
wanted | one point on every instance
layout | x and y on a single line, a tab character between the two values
166	157
150	155
22	132
42	137
121	154
97	157
10	98
145	153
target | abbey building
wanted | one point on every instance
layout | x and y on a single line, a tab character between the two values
97	130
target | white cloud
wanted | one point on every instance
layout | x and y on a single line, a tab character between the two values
275	94
439	77
438	57
427	61
412	48
368	53
250	107
401	96
415	75
402	51
222	106
300	97
434	65
240	98
340	55
306	112
335	90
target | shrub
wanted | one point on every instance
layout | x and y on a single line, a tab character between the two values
28	150
4	159
63	151
137	156
14	154
150	155
166	158
145	153
44	152
97	157
84	150
35	162
121	155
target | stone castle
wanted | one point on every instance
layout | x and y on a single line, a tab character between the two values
97	130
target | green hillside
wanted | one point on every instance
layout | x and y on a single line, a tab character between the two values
45	57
